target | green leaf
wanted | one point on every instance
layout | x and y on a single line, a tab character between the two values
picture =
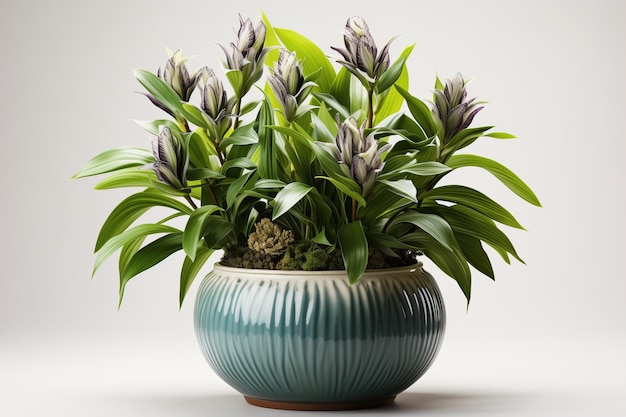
423	169
128	251
314	58
505	175
195	226
131	208
391	75
216	231
392	101
473	199
463	139
347	186
475	254
127	236
402	188
242	136
115	159
128	177
354	249
452	262
152	126
288	197
432	224
235	78
148	256
268	162
466	221
420	112
159	89
191	269
332	102
195	115
501	135
235	187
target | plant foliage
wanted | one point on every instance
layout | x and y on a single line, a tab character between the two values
325	151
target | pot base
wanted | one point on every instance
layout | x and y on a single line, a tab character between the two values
281	405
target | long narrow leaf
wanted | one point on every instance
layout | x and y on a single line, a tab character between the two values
432	224
190	270
193	229
131	208
473	199
354	249
505	175
129	235
289	197
115	159
148	256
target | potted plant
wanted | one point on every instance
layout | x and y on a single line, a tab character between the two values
322	185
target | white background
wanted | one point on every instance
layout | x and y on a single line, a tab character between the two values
546	338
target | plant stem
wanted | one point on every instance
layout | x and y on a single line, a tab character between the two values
354	207
193	205
210	188
370	108
236	111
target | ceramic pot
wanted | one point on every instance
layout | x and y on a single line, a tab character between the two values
311	341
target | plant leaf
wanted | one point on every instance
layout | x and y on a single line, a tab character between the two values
432	224
354	249
289	196
190	270
505	175
159	89
148	256
420	112
127	236
193	229
473	199
115	159
402	188
313	57
131	208
128	177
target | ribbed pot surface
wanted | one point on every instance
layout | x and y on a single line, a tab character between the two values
311	337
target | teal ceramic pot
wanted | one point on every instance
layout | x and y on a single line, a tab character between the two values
310	340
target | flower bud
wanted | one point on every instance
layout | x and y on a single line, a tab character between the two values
171	159
212	94
287	83
359	154
453	111
175	74
360	51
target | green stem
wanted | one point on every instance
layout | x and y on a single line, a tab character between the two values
191	202
370	108
236	111
354	208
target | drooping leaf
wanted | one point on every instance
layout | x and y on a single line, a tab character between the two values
403	188
354	249
473	199
128	177
193	229
131	208
191	269
473	223
115	159
473	251
432	224
148	256
127	236
505	175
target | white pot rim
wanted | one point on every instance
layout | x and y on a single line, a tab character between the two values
303	274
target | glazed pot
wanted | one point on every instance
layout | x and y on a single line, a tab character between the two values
311	341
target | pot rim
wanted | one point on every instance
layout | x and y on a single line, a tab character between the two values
324	273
